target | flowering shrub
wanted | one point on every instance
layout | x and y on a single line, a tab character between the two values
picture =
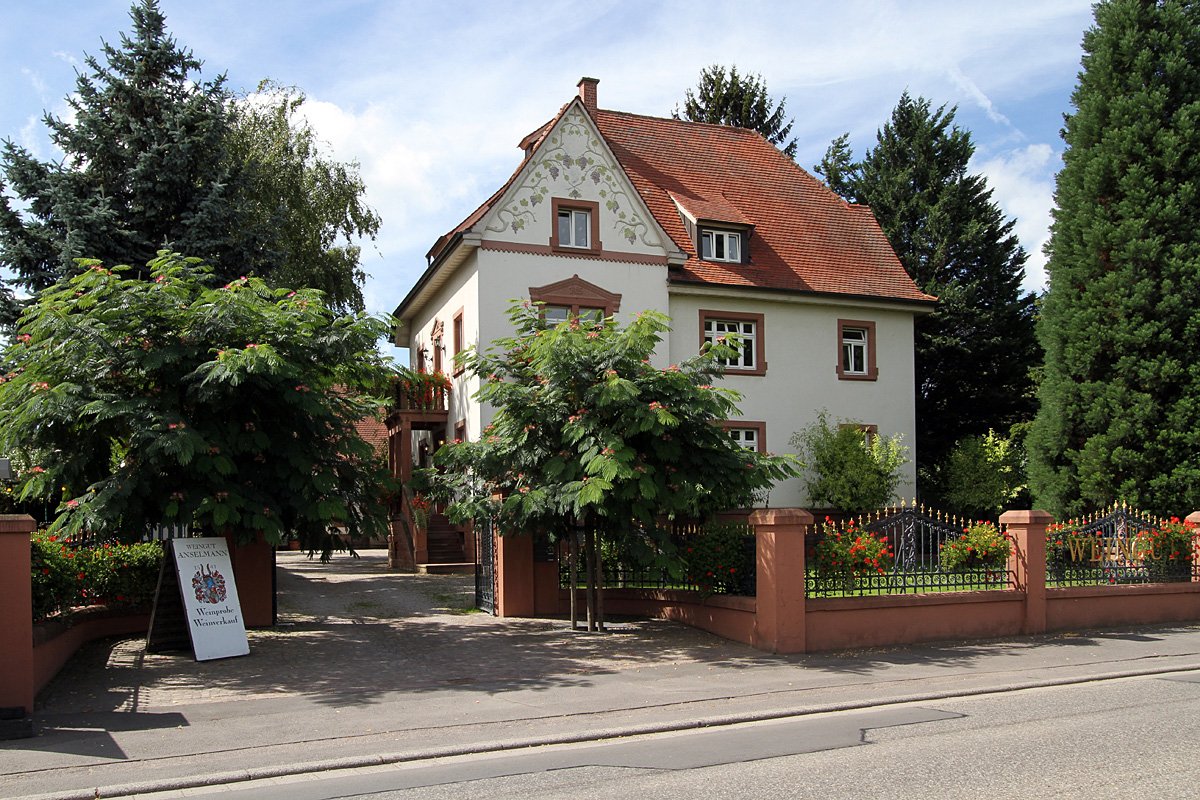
717	559
981	545
852	552
421	389
1169	549
117	575
54	579
420	510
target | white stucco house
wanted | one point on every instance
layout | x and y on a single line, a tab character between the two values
709	224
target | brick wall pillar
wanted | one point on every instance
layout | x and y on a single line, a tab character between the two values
254	572
1028	563
16	616
779	625
514	576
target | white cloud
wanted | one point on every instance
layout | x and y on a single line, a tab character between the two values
431	100
1022	181
35	80
976	94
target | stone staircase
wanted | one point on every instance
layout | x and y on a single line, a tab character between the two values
445	543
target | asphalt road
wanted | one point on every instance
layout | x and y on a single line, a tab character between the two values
1125	738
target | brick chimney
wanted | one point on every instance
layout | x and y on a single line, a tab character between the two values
587	92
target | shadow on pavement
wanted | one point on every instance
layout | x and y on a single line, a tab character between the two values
353	633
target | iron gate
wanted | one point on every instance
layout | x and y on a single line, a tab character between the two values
485	567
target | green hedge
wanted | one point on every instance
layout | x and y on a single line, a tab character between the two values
116	575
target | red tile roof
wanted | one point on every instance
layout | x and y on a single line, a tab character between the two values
374	433
805	239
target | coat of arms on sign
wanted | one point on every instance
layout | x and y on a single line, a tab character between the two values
209	585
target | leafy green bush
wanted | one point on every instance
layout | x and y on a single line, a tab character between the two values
981	545
983	475
848	469
717	560
120	575
114	575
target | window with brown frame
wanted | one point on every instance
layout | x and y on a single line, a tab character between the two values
460	430
576	226
750	330
750	435
459	338
856	350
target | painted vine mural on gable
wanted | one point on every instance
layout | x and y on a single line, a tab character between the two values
571	158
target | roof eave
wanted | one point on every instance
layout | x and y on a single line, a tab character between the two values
459	243
916	305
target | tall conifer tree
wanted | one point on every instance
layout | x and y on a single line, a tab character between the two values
145	166
1120	396
974	354
725	97
157	158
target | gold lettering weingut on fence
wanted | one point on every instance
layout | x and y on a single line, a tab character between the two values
1100	549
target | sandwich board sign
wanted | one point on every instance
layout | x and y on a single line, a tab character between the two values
205	600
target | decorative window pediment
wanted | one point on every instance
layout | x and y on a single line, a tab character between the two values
574	296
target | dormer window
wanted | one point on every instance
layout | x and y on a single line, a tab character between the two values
721	246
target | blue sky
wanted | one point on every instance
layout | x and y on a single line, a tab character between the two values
431	98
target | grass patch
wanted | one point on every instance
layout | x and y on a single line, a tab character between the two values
458	603
363	605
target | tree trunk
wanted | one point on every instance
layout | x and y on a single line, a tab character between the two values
590	551
599	589
573	566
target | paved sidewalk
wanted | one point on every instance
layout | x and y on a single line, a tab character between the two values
370	666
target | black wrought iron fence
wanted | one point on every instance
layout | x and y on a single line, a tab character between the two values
904	550
485	567
710	558
1120	545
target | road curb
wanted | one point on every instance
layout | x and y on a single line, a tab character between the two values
115	792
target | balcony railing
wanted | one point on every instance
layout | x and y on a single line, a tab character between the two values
425	393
